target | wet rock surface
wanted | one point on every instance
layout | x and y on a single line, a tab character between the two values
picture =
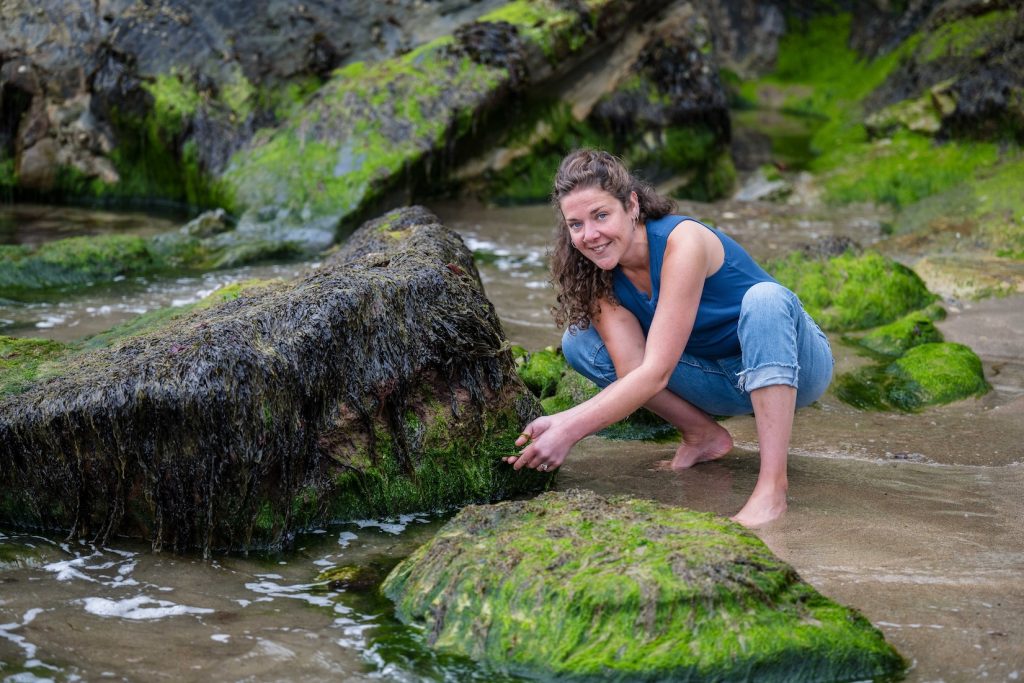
572	584
378	383
75	75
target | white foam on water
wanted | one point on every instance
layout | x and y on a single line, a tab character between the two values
391	526
346	537
301	591
139	608
221	637
20	640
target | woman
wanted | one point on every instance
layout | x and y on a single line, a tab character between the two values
667	313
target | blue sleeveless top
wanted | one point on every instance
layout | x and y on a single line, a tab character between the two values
714	332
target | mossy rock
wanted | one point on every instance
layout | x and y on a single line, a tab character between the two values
541	371
850	291
900	335
74	261
66	264
23	361
578	587
19	554
559	387
378	384
926	375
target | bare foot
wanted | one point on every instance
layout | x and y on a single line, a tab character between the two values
696	448
763	507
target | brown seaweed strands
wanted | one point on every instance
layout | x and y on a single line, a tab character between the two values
235	426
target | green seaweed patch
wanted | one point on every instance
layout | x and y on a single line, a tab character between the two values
899	336
852	292
903	169
551	26
929	374
23	361
541	371
968	37
361	130
420	464
536	588
641	425
74	261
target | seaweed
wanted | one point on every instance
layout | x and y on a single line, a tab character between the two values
238	423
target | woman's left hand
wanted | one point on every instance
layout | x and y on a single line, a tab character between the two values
547	445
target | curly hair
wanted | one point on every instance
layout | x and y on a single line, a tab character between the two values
579	284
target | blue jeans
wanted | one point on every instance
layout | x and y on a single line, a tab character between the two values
779	342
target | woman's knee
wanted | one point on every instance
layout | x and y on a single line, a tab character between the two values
765	297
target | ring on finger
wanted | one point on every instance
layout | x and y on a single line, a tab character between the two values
544	467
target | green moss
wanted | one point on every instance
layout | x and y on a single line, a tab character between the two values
74	261
933	374
536	588
427	467
548	25
970	36
929	374
900	335
905	169
24	361
850	292
364	127
8	178
541	371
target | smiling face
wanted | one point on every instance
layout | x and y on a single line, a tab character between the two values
600	227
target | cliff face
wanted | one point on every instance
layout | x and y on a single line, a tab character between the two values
318	114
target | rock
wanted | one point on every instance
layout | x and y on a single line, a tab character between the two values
746	34
758	187
852	292
37	169
547	374
375	127
964	76
926	375
379	383
236	66
899	336
573	586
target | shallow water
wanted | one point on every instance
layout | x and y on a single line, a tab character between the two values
916	520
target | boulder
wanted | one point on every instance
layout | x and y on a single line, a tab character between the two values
851	291
376	127
574	586
929	374
899	336
378	383
962	77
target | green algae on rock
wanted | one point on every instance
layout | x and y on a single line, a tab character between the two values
900	335
852	292
574	586
206	243
930	374
371	125
379	383
547	374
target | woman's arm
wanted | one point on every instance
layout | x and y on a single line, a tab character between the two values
689	257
